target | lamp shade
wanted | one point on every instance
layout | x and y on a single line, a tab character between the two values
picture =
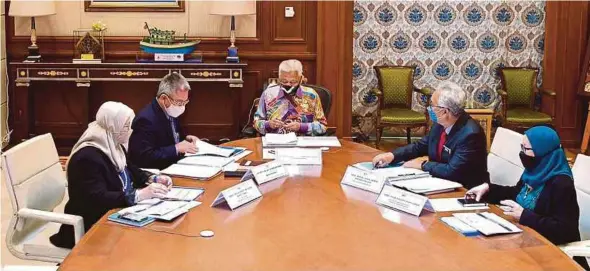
28	8
230	8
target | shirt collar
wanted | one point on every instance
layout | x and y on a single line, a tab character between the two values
448	129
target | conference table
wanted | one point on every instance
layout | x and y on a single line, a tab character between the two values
308	221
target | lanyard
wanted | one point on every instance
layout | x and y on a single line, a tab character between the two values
124	179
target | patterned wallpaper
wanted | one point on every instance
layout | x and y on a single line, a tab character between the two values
460	41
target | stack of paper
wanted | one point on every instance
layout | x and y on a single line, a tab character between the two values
318	141
394	173
488	223
426	186
192	171
205	148
277	140
212	161
299	156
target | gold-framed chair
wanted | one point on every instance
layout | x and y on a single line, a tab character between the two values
395	88
519	87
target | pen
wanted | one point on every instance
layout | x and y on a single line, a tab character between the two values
377	165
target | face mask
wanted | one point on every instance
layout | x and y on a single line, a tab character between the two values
175	110
122	137
529	162
290	89
432	115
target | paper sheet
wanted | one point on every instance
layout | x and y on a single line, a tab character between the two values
212	161
451	204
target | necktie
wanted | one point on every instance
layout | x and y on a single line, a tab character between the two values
441	143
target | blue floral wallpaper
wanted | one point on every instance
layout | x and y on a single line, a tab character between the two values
460	41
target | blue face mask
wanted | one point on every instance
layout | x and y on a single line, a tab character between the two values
432	115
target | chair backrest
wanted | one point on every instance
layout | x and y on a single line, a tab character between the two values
396	83
581	173
34	179
519	83
504	164
325	97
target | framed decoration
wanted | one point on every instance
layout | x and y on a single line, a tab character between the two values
134	5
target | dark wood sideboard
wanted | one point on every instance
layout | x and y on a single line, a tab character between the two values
62	98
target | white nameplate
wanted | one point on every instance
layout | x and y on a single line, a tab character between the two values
238	195
268	172
364	180
403	200
169	57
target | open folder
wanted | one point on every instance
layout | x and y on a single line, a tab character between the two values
427	186
205	148
192	171
487	223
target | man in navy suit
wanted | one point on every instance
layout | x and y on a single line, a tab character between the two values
455	145
156	140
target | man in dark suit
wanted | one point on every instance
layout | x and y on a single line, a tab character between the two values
156	138
455	145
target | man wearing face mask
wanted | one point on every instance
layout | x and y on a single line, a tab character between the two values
157	140
290	106
455	145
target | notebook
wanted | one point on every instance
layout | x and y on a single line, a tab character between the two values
131	219
212	161
488	223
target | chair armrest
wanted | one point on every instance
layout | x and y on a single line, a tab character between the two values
76	221
580	249
502	92
424	91
549	93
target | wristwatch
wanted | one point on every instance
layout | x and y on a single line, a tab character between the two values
422	165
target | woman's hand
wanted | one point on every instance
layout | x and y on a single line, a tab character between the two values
163	179
512	209
477	192
154	190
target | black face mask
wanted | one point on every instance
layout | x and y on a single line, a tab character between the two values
291	90
529	162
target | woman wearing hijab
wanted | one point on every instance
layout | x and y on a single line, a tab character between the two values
545	198
99	176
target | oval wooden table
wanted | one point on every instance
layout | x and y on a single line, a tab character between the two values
307	222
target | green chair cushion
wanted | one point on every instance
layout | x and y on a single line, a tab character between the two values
519	85
527	116
401	116
397	85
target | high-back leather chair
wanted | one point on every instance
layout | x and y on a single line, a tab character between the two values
504	164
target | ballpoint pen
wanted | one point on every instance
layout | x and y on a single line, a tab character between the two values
377	165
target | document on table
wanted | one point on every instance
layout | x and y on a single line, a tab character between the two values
211	161
192	171
451	204
269	154
299	156
205	148
289	139
168	210
184	193
427	186
318	141
394	173
488	223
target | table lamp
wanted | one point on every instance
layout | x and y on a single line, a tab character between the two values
27	8
233	8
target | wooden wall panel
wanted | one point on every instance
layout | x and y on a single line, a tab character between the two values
566	37
278	38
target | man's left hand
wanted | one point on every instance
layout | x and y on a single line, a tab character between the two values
293	126
417	164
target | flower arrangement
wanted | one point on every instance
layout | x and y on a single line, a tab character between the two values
99	26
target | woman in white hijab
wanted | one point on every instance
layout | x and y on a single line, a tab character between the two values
99	175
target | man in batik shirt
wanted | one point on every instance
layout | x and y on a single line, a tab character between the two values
289	106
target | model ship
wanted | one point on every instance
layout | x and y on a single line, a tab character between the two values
164	42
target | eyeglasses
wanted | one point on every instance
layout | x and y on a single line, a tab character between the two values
177	102
524	149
